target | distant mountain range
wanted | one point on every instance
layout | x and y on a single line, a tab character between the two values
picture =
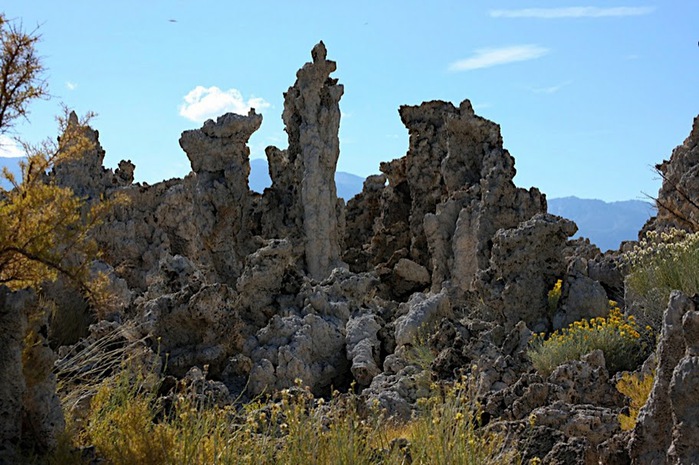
606	224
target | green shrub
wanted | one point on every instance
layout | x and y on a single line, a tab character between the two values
617	336
661	263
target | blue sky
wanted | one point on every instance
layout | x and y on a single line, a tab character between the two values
589	95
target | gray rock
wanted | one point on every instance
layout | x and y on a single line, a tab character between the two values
363	347
581	297
303	183
653	434
680	182
420	312
13	320
524	266
684	392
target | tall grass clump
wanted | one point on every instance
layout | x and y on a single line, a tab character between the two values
616	335
130	424
660	263
448	429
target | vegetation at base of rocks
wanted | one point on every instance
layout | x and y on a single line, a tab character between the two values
660	263
129	424
637	388
616	335
554	296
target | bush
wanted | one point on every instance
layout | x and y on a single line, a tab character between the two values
128	425
637	388
661	263
554	296
617	336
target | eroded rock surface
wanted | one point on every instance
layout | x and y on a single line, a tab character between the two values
667	423
448	269
303	182
678	198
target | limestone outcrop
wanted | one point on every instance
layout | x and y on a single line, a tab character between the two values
221	198
30	411
678	198
524	266
666	430
443	203
303	182
440	269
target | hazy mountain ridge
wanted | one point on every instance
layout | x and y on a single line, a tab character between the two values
606	224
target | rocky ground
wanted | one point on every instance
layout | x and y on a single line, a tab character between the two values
264	289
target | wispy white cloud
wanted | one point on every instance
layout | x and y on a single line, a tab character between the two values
487	57
573	12
202	103
551	89
71	85
9	148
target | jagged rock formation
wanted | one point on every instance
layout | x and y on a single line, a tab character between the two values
668	426
678	198
85	175
305	171
30	412
255	288
524	265
14	321
444	201
221	199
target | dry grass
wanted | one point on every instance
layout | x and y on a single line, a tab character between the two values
129	425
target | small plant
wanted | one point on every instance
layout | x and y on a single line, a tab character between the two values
554	296
616	335
637	388
448	429
661	263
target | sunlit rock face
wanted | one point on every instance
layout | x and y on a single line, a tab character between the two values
678	197
303	194
258	291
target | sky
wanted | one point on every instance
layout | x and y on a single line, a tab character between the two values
589	95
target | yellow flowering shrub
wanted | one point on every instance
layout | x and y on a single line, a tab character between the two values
616	335
637	388
554	296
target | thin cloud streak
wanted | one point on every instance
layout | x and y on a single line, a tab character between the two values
487	57
551	89
573	12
